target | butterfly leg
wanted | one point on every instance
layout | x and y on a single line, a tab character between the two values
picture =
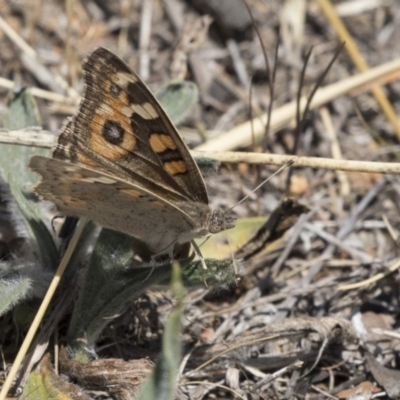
198	252
169	252
153	266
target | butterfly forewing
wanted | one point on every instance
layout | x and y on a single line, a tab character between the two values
121	128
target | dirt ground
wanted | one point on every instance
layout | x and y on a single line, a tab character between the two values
314	309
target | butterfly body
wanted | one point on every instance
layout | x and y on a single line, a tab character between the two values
120	162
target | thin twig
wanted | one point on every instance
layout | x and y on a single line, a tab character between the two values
42	309
359	61
241	135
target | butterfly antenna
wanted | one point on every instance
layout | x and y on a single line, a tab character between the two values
286	165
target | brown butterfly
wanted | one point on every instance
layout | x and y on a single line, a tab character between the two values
121	162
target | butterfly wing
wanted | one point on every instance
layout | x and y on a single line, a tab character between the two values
113	203
121	129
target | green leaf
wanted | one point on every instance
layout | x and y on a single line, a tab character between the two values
14	287
177	98
108	284
22	112
161	384
41	239
223	244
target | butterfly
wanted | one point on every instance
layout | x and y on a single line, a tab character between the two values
121	162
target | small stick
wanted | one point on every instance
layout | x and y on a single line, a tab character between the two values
42	309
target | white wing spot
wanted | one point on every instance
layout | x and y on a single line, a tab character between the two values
124	77
145	110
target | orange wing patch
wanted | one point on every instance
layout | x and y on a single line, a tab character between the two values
175	167
160	142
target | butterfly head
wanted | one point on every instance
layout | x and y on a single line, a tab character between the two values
219	221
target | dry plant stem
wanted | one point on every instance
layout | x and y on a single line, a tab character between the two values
215	385
42	339
311	162
292	329
373	279
387	333
279	296
359	61
28	136
339	243
42	75
238	63
324	393
393	235
229	349
68	45
43	94
335	148
42	309
37	137
123	37
255	292
271	81
347	227
242	135
16	39
271	377
286	251
28	50
144	39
